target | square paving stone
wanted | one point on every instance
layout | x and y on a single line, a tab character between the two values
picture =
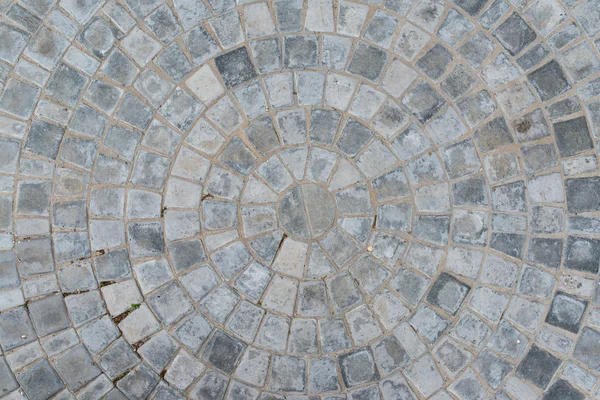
262	135
538	367
118	359
120	297
334	336
335	52
448	293
104	96
228	29
457	82
9	276
238	156
510	244
174	62
66	85
44	139
200	44
223	351
454	27
40	381
170	304
473	7
508	340
493	135
184	370
164	24
562	389
423	101
300	51
393	386
424	375
49	314
323	376
492	368
134	112
367	61
8	383
531	126
584	13
288	374
181	109
546	252
273	333
582	194
353	137
549	80
245	320
534	56
435	61
122	141
572	136
381	29
139	383
13	42
77	368
186	254
432	228
470	192
113	266
409	285
358	367
536	282
70	246
146	239
566	312
579	62
547	219
159	350
15	329
35	256
150	170
85	306
153	87
428	323
476	50
461	159
582	254
46	47
587	349
99	37
99	334
235	67
19	98
515	34
389	354
288	15
193	331
477	107
267	53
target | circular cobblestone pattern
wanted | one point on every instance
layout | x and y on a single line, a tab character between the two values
299	199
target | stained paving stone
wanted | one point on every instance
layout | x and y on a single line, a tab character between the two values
344	210
538	367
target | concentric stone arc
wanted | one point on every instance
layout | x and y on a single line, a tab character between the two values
299	199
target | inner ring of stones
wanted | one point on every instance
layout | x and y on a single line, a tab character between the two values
307	211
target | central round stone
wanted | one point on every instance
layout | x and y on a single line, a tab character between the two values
307	211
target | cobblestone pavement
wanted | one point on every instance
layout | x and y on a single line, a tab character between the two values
299	199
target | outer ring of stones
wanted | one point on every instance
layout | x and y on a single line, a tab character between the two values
475	277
